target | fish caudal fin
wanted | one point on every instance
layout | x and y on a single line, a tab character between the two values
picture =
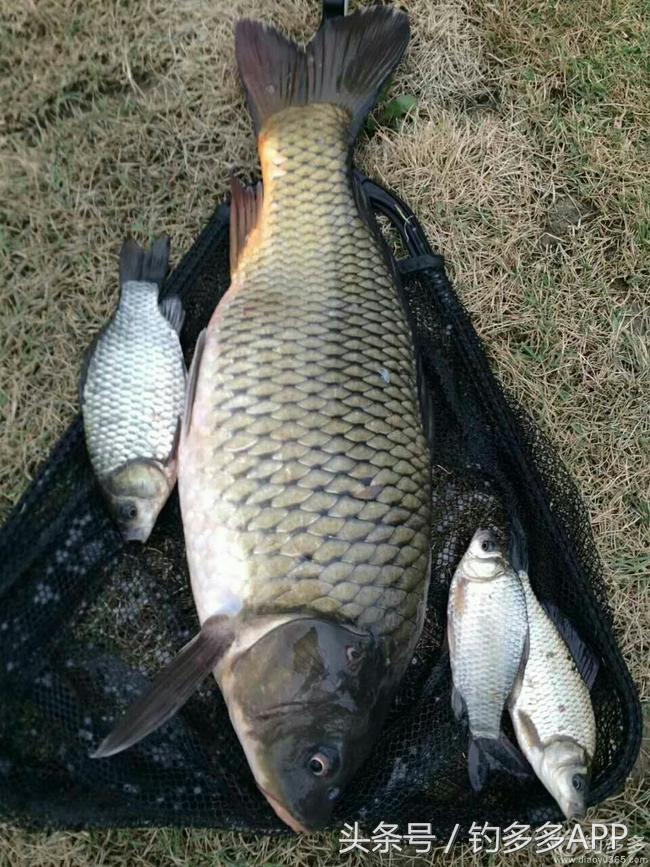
494	754
245	207
346	63
171	689
144	266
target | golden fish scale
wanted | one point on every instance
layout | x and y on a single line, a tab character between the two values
314	453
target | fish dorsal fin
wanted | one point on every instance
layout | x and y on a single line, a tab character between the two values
88	357
172	688
245	207
523	660
177	436
144	266
518	549
584	658
192	378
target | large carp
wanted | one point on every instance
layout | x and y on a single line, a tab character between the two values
304	471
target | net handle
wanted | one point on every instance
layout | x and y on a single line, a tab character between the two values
421	256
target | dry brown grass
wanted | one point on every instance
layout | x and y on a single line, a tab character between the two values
526	160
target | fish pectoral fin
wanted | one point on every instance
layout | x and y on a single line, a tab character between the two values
495	754
144	266
171	308
192	379
585	659
171	688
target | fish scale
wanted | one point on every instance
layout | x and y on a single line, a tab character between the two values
136	364
306	447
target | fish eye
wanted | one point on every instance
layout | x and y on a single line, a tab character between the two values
578	782
488	545
318	765
353	653
322	763
128	511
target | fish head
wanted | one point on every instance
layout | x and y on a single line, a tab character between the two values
485	554
136	493
565	773
307	701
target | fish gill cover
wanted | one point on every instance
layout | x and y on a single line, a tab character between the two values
86	620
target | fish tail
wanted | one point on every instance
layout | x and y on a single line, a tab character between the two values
494	754
144	266
346	63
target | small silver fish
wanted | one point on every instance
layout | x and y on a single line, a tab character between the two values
551	709
132	393
486	631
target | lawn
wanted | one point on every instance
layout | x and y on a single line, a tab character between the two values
525	155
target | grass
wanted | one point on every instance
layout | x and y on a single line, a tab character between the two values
524	155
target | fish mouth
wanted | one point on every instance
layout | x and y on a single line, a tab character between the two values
135	534
284	814
575	811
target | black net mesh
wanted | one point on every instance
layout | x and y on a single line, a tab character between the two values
85	619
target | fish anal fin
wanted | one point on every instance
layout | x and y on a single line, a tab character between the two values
585	659
476	766
172	309
245	208
171	688
495	754
192	379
